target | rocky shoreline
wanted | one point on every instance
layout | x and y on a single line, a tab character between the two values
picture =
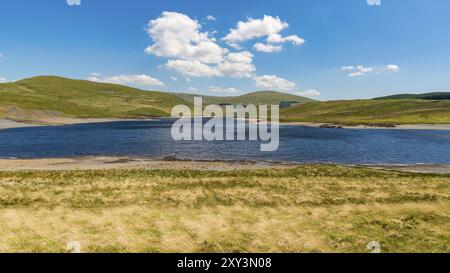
110	162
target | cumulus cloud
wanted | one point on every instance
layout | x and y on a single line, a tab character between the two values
391	68
194	53
360	70
3	80
309	93
193	89
192	68
130	80
218	89
268	27
255	28
176	35
267	47
273	82
73	2
235	65
175	79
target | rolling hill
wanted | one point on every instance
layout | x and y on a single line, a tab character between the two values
426	96
45	97
49	97
371	112
56	96
257	98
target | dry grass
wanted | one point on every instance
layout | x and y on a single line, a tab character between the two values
307	209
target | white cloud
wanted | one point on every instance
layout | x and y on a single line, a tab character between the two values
360	70
3	80
268	47
194	53
1	55
218	89
277	38
193	89
175	79
235	46
309	93
269	27
391	68
273	82
130	80
210	18
237	65
356	74
73	2
192	68
176	35
255	28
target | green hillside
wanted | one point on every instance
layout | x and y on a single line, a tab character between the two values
426	96
371	112
257	98
79	98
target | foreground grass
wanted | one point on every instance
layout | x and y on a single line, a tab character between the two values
307	209
371	112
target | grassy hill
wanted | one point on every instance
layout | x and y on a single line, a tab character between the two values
38	98
257	98
77	98
42	97
426	96
371	112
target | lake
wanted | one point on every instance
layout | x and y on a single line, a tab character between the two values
297	144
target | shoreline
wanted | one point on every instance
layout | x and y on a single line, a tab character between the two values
130	163
443	127
12	124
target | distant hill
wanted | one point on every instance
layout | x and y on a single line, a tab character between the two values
426	96
257	98
53	96
371	112
49	97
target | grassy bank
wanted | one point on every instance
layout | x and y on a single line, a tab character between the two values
371	112
307	209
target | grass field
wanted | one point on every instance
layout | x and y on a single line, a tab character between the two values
357	112
305	209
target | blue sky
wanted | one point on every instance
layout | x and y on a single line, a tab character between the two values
338	49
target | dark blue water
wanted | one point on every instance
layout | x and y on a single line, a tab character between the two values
297	144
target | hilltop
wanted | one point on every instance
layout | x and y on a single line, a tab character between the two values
426	96
371	112
55	96
257	98
48	99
